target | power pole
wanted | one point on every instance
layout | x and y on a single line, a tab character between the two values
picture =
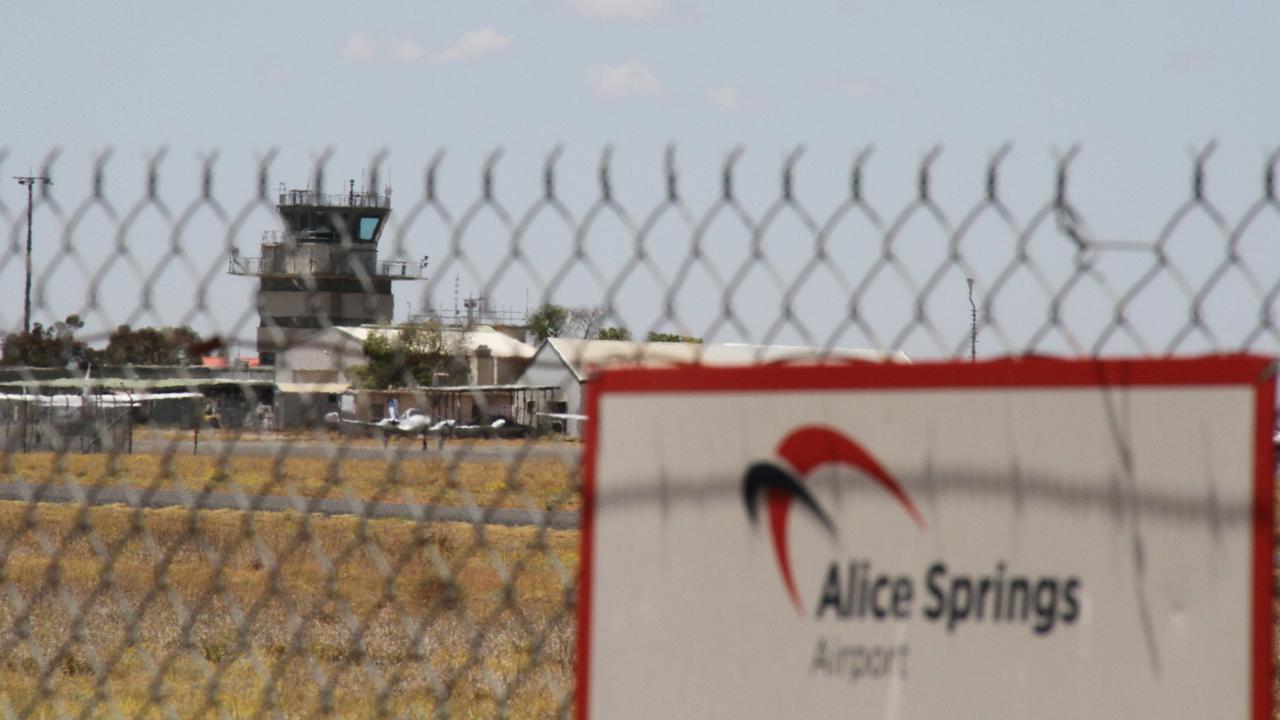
30	182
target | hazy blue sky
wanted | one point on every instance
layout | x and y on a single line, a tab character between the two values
1137	84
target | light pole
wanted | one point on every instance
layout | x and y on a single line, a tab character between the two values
30	181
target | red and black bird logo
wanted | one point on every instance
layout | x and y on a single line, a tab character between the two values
803	450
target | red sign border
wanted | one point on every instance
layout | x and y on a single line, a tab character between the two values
1255	371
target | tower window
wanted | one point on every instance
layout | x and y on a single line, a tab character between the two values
368	227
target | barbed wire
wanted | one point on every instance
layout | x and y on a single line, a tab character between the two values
149	571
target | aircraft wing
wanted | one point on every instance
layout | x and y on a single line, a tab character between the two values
334	418
442	426
136	399
149	396
112	400
46	400
562	416
481	426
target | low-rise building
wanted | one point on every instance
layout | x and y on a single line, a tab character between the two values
566	364
492	357
313	374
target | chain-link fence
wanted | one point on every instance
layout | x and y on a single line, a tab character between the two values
286	489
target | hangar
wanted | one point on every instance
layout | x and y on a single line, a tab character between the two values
566	364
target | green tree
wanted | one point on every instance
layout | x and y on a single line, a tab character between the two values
413	355
614	333
153	346
672	337
54	346
547	321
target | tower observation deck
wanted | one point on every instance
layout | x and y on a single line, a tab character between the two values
323	268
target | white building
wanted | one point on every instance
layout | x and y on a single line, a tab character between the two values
568	364
493	358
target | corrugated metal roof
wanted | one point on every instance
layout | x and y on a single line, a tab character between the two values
583	355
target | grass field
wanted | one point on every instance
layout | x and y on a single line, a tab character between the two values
535	482
112	612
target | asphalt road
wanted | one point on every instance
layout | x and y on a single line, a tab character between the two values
135	498
403	449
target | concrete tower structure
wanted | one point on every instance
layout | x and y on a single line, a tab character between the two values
323	269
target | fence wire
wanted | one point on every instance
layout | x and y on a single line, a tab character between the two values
212	532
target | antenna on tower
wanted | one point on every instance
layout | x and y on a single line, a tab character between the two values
455	295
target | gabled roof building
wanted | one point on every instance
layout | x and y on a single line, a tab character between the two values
568	363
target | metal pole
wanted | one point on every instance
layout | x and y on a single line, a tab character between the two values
973	324
26	295
29	181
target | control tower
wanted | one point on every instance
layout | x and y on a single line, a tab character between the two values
323	268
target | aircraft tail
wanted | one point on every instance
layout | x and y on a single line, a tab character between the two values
393	409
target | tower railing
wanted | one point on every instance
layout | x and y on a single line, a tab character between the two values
347	199
336	266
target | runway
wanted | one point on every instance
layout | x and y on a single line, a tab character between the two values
138	498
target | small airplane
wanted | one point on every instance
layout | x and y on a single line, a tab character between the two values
488	425
115	399
393	425
65	417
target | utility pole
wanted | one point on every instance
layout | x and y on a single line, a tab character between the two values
30	182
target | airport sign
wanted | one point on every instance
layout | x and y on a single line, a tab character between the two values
1007	539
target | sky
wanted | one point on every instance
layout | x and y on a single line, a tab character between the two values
1138	86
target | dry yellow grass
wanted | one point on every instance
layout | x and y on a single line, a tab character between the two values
535	482
110	611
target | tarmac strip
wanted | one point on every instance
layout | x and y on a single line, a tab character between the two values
154	499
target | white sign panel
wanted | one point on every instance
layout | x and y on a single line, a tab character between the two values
1045	539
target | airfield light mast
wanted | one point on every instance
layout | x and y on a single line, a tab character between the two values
29	181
